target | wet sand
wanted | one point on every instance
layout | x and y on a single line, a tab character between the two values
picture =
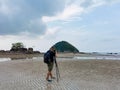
75	75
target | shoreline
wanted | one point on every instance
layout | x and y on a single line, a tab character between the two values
60	56
19	55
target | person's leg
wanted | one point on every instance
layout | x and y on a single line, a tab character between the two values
51	68
49	74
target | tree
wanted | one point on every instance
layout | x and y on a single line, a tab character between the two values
17	46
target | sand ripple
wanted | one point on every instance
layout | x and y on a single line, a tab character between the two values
75	75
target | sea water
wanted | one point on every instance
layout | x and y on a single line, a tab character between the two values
90	57
9	59
98	57
5	59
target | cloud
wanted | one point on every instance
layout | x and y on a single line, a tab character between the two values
51	33
66	14
7	9
32	17
75	8
24	16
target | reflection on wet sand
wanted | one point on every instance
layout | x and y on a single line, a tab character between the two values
49	86
4	59
24	58
17	58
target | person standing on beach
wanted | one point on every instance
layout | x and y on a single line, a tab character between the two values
50	64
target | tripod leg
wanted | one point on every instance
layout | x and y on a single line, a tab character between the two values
57	74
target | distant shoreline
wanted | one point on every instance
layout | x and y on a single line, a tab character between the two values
77	56
19	55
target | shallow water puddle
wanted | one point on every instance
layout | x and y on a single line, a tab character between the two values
4	59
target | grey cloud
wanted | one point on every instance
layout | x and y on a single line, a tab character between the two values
25	11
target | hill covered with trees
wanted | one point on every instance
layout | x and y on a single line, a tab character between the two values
64	46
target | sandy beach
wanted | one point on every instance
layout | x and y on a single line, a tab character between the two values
75	75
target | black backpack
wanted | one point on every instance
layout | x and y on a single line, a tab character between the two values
47	57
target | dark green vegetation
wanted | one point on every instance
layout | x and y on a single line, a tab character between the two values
19	47
64	46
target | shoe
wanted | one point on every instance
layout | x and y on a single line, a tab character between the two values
49	80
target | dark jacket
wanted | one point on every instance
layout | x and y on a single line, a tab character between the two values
52	55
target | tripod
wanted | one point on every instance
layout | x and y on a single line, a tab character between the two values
57	70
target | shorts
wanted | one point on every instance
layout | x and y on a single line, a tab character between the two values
50	66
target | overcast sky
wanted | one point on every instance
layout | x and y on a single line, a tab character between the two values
89	25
